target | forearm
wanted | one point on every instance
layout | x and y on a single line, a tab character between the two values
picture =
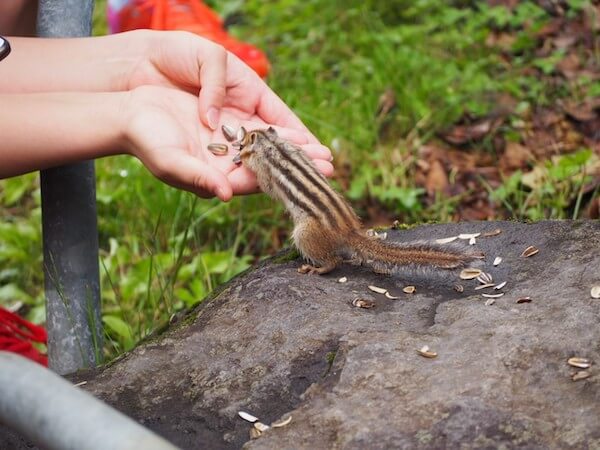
39	131
81	64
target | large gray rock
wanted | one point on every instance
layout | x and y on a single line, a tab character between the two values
277	343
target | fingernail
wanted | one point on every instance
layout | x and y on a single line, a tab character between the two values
213	118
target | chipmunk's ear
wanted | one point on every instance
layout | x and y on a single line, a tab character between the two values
271	131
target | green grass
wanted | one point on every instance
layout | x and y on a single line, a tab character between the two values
162	250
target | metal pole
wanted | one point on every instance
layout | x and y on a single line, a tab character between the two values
69	226
54	414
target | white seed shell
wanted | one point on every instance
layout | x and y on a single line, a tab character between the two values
484	286
377	289
493	295
490	301
390	296
468	236
497	261
500	286
472	241
409	289
282	423
247	416
595	292
446	240
342	280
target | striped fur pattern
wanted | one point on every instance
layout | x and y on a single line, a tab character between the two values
326	229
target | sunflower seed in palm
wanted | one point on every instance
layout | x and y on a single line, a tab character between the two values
228	132
218	149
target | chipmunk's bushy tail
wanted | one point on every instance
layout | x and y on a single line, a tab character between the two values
390	257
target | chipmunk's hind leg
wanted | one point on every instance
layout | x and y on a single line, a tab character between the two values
318	246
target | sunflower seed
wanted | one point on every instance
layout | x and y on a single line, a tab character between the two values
228	132
530	251
595	292
254	433
241	133
446	240
484	286
490	301
342	280
469	273
472	241
81	383
495	232
218	149
377	289
581	363
282	422
261	426
409	289
497	261
459	288
468	236
500	286
493	295
390	296
426	352
247	416
363	303
524	300
581	375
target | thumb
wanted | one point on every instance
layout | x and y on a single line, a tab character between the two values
213	73
191	174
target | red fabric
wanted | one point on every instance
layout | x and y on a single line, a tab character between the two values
193	16
17	335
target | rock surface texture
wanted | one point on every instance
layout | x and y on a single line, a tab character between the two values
277	343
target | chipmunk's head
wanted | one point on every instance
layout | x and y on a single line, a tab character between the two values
252	146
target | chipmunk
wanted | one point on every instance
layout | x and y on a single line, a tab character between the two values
327	231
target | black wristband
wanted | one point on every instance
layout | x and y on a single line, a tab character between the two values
4	48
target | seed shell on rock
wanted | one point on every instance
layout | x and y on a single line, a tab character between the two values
493	295
446	240
468	236
484	286
426	352
581	375
261	426
495	232
530	251
247	416
364	303
595	292
459	288
581	363
282	422
377	289
490	301
342	280
469	273
524	300
500	286
390	296
409	289
497	261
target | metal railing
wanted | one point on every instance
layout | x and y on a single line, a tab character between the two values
70	229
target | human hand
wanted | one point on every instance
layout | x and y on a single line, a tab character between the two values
162	130
194	64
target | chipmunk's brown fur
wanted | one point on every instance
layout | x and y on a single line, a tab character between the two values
326	229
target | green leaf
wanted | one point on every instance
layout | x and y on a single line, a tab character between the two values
118	326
